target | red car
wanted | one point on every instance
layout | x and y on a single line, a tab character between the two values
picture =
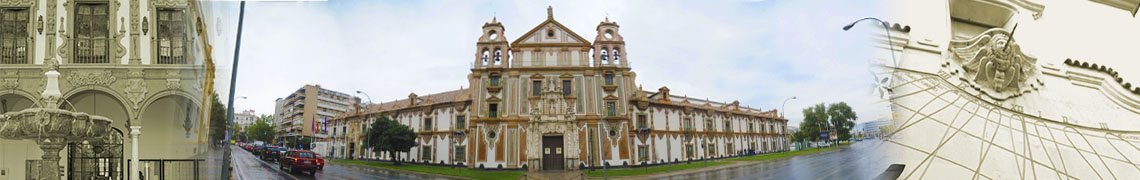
300	161
320	161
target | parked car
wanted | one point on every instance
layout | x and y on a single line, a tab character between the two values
256	150
299	161
320	161
272	153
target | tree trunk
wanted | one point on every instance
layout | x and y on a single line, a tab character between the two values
395	159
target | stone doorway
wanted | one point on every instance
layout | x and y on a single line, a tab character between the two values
553	157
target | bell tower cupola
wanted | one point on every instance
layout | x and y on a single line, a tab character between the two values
609	46
492	49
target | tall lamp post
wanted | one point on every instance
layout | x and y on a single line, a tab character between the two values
233	80
368	116
782	108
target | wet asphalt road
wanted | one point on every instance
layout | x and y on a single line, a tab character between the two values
249	167
861	160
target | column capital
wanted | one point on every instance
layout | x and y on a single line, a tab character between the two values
136	130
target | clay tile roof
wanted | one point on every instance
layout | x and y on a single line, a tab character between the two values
443	97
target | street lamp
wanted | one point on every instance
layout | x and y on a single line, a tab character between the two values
785	103
368	116
886	26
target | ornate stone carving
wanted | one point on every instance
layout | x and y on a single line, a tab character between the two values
82	78
993	64
173	83
551	115
10	83
136	91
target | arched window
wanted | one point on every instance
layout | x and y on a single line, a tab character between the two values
617	55
498	55
605	57
486	54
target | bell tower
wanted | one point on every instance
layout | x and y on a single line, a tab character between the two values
492	49
609	46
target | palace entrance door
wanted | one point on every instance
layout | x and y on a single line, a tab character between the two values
552	153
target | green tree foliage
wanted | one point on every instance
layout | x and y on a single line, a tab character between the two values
815	121
261	129
386	135
819	118
218	120
842	118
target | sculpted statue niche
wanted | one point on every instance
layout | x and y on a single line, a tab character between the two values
994	64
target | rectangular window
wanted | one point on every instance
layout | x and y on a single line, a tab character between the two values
493	110
427	124
642	153
91	32
688	124
727	126
461	122
425	153
536	88
711	150
171	37
642	121
460	154
689	151
709	126
566	87
495	80
611	109
14	35
609	78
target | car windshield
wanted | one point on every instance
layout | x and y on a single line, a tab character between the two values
304	155
277	149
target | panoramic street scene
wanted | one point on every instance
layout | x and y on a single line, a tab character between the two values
557	90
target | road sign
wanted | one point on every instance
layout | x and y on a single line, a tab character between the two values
823	135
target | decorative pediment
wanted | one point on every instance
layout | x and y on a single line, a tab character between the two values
993	64
550	33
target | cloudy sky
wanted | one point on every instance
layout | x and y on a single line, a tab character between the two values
757	52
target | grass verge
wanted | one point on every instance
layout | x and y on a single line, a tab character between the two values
765	157
654	169
459	171
701	164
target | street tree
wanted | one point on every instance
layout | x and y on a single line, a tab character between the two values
842	119
261	129
386	135
218	121
815	121
823	118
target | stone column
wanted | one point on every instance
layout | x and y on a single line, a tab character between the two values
135	131
49	167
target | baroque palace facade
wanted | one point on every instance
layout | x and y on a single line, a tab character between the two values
552	100
96	89
1015	89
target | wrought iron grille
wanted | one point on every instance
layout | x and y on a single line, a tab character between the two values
171	37
163	169
97	159
14	35
91	34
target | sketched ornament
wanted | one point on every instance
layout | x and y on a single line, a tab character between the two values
993	64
